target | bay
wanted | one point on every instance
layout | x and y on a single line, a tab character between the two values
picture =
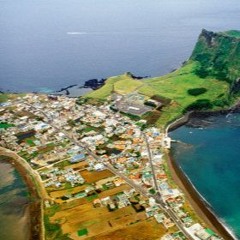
209	155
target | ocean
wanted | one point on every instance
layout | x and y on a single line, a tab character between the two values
209	155
14	202
46	45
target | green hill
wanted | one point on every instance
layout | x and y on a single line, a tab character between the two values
205	82
218	55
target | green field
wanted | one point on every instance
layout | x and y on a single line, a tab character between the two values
82	232
175	86
233	33
5	125
8	96
121	84
3	97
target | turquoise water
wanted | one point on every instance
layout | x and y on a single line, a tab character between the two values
209	154
14	214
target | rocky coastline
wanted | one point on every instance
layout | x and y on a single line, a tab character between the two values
201	114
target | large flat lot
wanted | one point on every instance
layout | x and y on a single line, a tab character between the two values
100	223
94	176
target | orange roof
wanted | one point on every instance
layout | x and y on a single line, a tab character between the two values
130	131
120	147
122	160
161	175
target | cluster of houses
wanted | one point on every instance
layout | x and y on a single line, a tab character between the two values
40	131
196	231
56	177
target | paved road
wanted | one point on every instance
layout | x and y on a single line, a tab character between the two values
158	197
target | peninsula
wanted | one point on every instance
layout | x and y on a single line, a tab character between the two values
100	162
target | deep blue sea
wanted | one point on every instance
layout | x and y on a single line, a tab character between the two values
209	154
49	44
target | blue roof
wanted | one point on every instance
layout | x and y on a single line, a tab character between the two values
77	158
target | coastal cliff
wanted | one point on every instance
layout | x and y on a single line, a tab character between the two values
218	55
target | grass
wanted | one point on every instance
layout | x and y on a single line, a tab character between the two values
5	125
127	85
122	84
50	211
53	230
92	197
4	97
30	141
63	164
174	86
106	90
82	232
44	149
233	33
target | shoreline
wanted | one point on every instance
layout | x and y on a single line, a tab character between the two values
200	207
35	204
198	114
197	202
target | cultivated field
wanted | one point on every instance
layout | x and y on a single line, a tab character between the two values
91	177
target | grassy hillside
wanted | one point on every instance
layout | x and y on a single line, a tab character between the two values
122	84
175	86
218	55
207	81
8	96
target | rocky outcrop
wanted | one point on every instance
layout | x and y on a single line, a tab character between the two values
218	55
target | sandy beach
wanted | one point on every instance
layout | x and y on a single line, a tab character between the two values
199	206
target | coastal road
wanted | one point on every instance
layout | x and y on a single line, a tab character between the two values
158	197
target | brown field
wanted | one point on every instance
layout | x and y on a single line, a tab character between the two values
78	166
144	230
100	222
94	176
96	220
60	193
114	191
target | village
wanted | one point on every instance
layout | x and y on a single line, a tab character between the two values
102	171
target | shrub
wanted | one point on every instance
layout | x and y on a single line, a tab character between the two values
196	91
200	104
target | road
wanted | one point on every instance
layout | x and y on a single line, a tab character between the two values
168	211
158	197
